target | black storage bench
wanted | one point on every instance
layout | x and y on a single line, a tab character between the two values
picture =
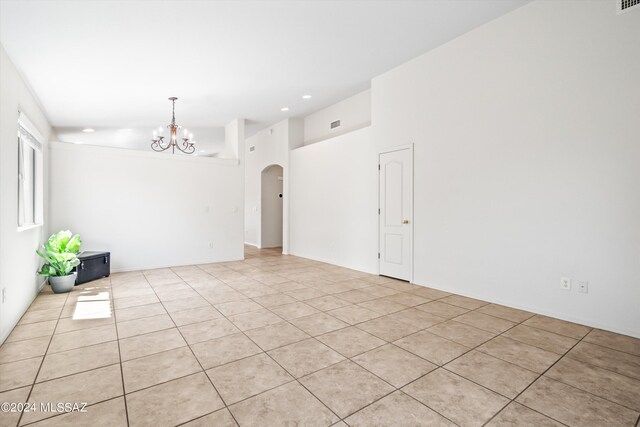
93	265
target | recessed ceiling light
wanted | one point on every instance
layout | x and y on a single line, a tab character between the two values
284	109
306	96
88	130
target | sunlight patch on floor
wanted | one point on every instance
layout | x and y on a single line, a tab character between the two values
92	310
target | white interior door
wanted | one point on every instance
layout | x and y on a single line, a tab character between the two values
396	213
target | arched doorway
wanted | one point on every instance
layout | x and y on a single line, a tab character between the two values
272	181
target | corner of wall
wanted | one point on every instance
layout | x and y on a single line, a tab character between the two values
18	260
296	133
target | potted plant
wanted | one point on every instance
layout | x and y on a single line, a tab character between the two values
60	252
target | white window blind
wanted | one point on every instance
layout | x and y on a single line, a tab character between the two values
30	174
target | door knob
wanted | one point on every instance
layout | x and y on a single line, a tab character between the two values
405	221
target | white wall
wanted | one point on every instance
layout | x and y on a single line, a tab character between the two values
527	160
333	196
18	261
271	147
149	209
354	113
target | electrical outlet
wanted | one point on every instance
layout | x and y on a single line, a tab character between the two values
583	287
565	283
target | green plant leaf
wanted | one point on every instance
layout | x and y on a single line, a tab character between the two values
44	255
64	257
59	252
58	241
74	244
48	247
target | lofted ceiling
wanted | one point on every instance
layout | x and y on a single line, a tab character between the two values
111	65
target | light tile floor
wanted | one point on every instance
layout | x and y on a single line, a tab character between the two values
284	341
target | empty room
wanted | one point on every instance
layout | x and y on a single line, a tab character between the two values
320	213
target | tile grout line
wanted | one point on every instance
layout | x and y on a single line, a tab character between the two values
399	389
44	355
568	356
443	367
395	389
382	315
204	372
275	361
570	385
522	322
609	348
294	378
534	381
75	373
115	319
291	266
66	413
89	370
350	359
562	356
475	349
30	338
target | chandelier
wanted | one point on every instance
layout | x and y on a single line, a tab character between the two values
159	144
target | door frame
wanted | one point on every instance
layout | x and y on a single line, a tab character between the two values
285	223
408	146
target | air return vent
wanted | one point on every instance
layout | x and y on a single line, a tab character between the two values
335	124
626	5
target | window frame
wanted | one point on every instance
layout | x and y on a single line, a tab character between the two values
28	137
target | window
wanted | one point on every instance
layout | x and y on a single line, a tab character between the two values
30	175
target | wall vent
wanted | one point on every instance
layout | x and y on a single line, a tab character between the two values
337	122
252	148
626	5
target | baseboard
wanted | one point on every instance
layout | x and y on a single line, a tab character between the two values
331	262
538	310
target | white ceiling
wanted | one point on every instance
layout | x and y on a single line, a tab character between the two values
112	64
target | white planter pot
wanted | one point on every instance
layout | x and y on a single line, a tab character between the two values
62	284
